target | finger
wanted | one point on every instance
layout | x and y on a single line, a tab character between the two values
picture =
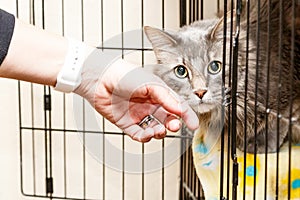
152	86
171	103
139	134
159	131
172	123
189	117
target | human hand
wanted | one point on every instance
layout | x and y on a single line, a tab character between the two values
125	94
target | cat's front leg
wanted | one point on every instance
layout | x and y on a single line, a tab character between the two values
227	97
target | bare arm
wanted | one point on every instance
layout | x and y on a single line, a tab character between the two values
34	55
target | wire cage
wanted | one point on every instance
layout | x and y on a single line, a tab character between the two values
55	161
55	155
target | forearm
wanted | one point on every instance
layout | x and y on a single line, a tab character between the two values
34	55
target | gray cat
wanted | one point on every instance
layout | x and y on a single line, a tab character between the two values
196	55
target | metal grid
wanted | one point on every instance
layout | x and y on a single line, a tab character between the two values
232	186
48	167
33	131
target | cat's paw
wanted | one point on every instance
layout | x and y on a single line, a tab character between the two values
227	97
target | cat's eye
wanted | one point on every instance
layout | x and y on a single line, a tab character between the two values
181	71
214	67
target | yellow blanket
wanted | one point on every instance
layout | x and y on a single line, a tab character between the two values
207	155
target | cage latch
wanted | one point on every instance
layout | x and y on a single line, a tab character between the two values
235	174
235	179
47	102
49	185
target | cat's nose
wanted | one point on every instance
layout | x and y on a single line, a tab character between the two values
200	93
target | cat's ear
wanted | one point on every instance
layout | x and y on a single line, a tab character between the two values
217	31
164	45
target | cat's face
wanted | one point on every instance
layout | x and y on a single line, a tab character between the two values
195	57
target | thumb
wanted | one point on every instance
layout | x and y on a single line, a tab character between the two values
172	103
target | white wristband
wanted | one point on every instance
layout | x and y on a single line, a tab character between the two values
69	77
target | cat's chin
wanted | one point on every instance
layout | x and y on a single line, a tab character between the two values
205	108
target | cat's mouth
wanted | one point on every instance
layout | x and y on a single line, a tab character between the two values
205	107
202	106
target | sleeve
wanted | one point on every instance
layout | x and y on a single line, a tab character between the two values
7	24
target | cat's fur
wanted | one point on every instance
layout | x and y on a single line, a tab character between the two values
196	45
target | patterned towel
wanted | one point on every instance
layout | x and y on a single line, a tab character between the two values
207	154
